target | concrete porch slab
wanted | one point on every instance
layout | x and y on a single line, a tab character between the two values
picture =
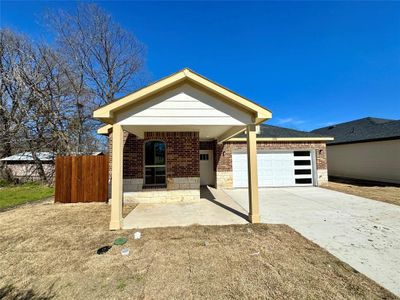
214	208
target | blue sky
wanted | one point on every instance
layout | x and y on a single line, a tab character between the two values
311	63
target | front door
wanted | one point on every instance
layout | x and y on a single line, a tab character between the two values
207	174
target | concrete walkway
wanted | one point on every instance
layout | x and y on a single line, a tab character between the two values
361	232
214	208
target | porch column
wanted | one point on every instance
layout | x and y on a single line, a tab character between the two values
254	214
117	177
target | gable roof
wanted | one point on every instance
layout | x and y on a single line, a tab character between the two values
106	113
276	133
362	130
27	156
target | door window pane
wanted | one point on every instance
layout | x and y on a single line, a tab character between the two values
203	156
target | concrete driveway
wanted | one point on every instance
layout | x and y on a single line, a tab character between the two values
362	232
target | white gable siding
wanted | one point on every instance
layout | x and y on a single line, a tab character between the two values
185	105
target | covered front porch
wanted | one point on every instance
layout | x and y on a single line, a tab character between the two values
166	123
214	207
179	200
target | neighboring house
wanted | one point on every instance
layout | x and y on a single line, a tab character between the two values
169	138
23	167
367	149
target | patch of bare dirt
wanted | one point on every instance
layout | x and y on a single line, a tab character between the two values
388	194
127	208
49	251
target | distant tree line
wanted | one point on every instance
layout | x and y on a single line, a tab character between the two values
49	91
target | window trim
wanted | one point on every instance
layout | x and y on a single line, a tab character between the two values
154	166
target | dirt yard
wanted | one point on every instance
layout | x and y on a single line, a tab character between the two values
49	251
389	194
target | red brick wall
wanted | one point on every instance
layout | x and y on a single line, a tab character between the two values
133	156
182	153
224	152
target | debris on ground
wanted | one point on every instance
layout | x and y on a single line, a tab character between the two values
103	250
206	243
255	253
125	251
120	241
137	235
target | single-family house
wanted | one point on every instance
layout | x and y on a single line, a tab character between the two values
169	138
367	149
22	166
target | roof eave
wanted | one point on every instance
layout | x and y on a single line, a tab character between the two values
365	141
285	139
105	130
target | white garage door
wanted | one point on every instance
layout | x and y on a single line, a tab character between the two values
275	169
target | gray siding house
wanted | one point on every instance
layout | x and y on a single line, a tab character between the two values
367	149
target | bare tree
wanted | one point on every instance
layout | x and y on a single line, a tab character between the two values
47	94
13	49
41	107
110	58
16	57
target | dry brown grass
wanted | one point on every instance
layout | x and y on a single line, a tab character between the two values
388	194
49	250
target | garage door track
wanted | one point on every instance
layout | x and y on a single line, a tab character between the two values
363	233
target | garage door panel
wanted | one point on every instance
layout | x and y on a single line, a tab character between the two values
239	164
274	169
277	169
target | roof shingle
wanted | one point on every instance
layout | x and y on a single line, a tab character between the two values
366	129
270	131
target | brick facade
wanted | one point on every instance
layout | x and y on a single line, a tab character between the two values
182	163
182	153
182	167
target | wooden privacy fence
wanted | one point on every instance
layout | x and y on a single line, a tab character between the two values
81	179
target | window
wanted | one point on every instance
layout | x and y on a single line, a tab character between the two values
203	156
154	163
302	162
303	180
302	172
301	153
